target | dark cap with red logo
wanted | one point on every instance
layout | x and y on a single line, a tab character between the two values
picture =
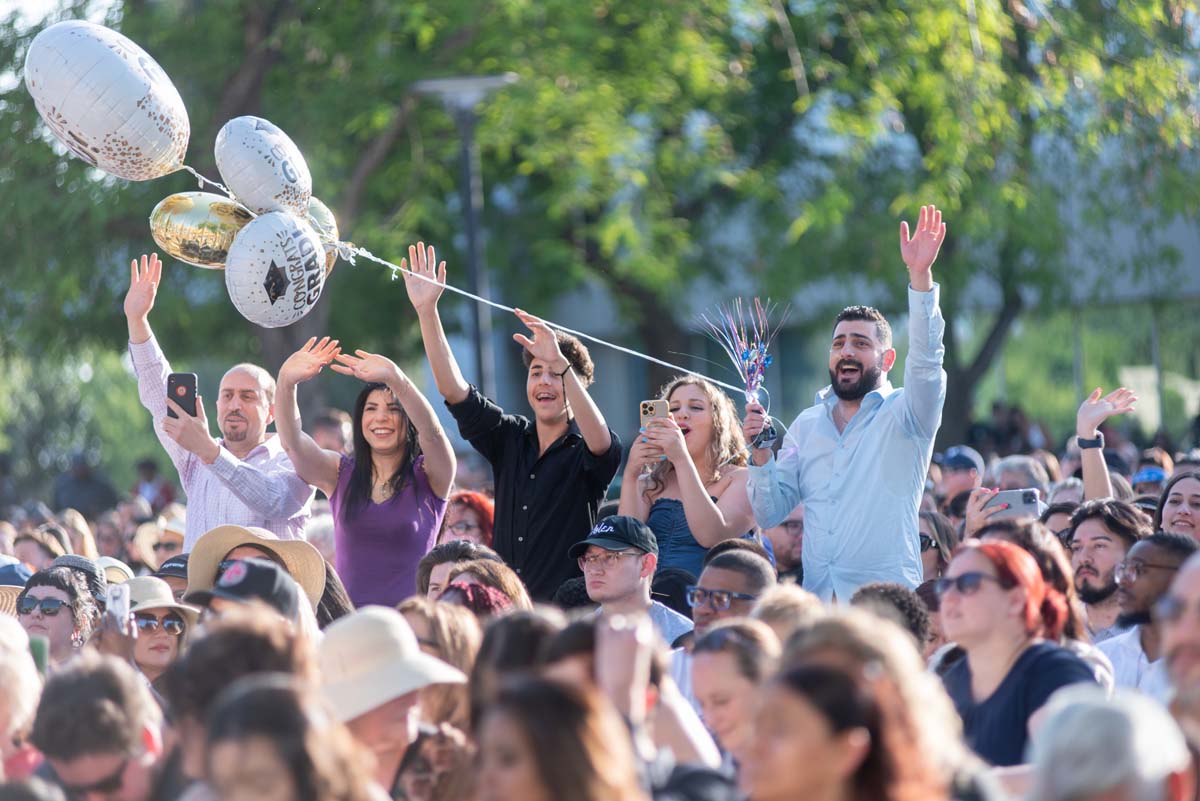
254	579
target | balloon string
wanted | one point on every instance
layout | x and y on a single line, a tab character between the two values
211	182
348	250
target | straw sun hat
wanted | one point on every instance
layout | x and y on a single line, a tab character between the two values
302	561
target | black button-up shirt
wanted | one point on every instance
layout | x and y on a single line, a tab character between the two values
544	503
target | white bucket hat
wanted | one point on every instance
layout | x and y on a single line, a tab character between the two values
370	657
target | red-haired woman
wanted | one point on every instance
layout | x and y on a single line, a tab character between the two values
997	607
469	516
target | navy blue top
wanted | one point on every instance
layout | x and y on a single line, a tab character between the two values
676	545
997	728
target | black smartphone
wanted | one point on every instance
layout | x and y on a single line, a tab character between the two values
181	388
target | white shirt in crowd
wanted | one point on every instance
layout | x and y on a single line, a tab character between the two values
1131	667
261	490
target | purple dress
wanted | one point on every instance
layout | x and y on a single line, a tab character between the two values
378	549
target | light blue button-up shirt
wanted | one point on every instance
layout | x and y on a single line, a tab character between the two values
861	488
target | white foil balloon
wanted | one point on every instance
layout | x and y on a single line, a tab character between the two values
107	100
275	270
263	167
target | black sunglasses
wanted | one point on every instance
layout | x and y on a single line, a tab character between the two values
147	623
927	543
966	583
50	606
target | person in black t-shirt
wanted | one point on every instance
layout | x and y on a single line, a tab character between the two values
551	472
996	606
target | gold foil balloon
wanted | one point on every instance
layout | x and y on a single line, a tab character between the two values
198	227
325	224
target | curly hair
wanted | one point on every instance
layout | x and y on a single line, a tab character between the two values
84	611
727	447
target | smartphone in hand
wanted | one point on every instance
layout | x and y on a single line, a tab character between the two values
116	608
654	410
1021	503
181	388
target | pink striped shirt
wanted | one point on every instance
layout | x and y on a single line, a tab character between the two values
261	490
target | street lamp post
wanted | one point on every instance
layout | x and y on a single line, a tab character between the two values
460	96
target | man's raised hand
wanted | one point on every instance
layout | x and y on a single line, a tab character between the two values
143	286
920	250
544	345
421	270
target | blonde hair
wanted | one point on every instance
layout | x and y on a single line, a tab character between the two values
457	636
82	541
786	608
727	447
20	684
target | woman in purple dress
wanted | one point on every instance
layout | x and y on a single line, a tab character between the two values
388	498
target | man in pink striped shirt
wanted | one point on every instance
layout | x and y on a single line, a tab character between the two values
245	478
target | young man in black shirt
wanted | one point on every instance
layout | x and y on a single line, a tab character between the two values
551	472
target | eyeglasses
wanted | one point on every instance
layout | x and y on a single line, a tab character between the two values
927	543
719	600
607	560
1171	609
169	547
148	624
462	527
965	584
108	785
49	606
1131	570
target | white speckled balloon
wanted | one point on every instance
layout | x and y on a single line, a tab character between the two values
107	100
275	270
263	167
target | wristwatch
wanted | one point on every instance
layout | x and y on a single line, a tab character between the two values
1085	444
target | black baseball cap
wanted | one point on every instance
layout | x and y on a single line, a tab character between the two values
254	579
175	567
617	533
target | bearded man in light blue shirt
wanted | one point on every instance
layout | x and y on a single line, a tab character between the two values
858	458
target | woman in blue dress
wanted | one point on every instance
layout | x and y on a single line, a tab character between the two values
686	475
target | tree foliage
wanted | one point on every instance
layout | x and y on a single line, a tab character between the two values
647	149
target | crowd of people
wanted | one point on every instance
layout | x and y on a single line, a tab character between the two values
832	612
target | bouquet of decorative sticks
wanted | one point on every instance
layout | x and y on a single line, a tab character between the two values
745	332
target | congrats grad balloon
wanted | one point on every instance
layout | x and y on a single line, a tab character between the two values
107	100
263	167
275	270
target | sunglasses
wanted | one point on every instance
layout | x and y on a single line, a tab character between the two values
965	584
169	547
148	624
49	606
928	543
106	786
719	600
